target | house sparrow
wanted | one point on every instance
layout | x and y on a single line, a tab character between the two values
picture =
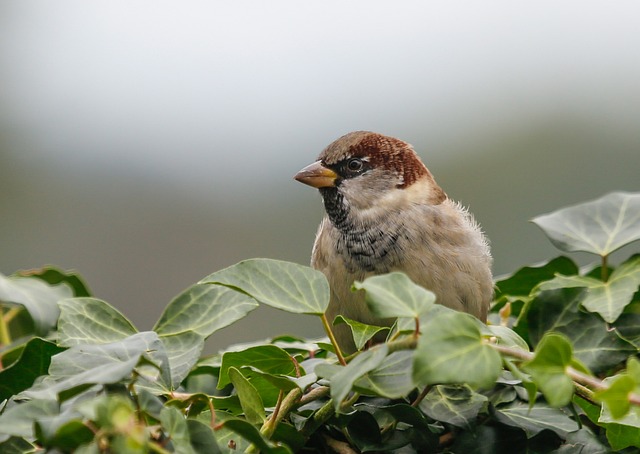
385	212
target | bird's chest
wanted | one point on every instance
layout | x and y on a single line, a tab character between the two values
371	248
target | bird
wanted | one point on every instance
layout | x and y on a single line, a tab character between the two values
384	212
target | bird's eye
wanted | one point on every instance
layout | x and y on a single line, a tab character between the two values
354	164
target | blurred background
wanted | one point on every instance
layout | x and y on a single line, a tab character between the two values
147	144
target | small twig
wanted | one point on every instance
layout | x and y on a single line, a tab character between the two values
332	338
339	447
422	395
314	394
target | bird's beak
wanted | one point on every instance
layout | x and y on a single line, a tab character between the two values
317	176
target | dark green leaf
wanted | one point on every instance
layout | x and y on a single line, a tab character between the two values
594	344
175	427
395	295
54	276
456	405
252	434
204	309
267	358
600	226
15	445
283	285
202	439
451	351
249	398
91	321
33	362
536	419
523	281
362	333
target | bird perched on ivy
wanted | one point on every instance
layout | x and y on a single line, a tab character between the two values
385	212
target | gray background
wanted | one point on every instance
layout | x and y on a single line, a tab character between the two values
147	144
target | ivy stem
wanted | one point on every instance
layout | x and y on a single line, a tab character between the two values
5	336
422	395
604	269
581	378
283	407
332	338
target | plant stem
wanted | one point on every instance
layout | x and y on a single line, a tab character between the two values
581	378
604	269
5	336
332	338
422	395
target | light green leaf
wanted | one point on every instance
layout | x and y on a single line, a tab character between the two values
183	351
175	427
283	285
392	378
250	400
548	369
37	297
91	321
362	332
249	432
458	405
202	439
18	420
204	309
395	295
536	419
342	382
81	366
451	350
606	298
616	398
505	336
600	226
267	358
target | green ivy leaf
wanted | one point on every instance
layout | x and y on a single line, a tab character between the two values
175	427
18	421
266	358
342	382
37	297
395	295
54	276
392	378
33	362
183	351
451	351
202	438
606	298
616	396
283	285
91	321
204	309
594	344
362	332
250	400
600	226
548	368
252	434
522	282
458	405
81	366
536	419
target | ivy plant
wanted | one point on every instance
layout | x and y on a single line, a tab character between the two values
554	370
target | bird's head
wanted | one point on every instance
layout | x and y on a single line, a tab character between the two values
366	171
